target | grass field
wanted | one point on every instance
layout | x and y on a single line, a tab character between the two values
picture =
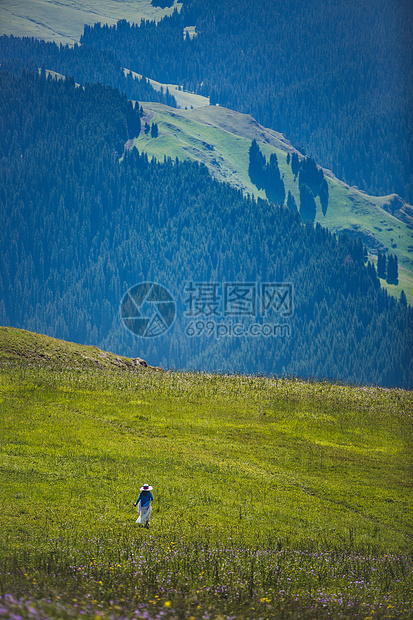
273	498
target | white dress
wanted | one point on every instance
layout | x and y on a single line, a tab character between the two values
144	514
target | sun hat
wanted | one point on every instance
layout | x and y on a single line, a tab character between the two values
146	487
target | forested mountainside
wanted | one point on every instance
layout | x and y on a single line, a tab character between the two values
85	64
335	77
81	226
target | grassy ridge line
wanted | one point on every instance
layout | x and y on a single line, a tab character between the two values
221	138
184	98
273	498
24	347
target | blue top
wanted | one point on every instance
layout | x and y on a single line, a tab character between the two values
145	498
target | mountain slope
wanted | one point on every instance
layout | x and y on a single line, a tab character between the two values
63	22
336	78
220	138
82	225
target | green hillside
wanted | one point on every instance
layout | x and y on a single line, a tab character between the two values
273	498
63	22
220	138
17	345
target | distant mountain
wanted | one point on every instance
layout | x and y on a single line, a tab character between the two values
220	138
336	77
63	22
84	64
102	246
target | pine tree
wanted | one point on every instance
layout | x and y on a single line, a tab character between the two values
295	164
154	130
273	183
256	167
392	270
381	265
323	193
308	208
291	204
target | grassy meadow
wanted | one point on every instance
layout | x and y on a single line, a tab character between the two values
274	498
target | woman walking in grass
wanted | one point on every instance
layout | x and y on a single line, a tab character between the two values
144	505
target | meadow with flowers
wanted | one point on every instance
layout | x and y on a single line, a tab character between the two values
274	498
